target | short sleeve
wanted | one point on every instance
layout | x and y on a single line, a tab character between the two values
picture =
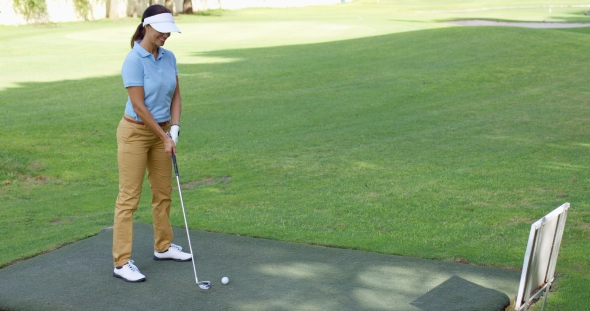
132	72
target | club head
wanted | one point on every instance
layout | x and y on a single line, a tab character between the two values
204	284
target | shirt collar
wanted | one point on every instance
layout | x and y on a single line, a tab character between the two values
143	52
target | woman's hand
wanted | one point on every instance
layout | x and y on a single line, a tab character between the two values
174	131
169	146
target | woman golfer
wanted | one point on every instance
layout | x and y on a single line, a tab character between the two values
153	109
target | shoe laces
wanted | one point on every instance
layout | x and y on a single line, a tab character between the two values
178	247
131	266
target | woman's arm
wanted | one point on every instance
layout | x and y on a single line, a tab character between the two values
176	105
136	95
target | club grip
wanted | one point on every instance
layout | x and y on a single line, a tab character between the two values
175	165
173	158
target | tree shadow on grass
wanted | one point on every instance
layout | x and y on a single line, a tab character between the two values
410	88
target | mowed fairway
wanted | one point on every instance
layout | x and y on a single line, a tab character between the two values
362	126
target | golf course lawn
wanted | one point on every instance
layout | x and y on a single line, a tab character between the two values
370	125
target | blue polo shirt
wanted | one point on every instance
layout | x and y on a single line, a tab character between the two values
157	76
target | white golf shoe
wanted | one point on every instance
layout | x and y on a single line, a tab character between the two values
173	253
129	273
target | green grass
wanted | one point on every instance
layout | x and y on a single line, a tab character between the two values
364	126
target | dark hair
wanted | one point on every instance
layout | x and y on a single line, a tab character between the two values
150	11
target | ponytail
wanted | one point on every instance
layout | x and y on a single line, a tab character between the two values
138	35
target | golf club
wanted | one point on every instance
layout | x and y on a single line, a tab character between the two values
202	284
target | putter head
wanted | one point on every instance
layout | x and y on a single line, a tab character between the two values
204	284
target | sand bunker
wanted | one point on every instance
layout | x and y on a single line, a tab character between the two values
519	24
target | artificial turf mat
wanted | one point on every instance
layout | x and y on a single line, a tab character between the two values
264	275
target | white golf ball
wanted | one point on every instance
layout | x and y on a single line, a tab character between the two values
224	280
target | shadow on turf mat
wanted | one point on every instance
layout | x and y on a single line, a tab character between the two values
459	294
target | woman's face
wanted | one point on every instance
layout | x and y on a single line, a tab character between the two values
155	37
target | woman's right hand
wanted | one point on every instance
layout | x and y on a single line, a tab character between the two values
169	146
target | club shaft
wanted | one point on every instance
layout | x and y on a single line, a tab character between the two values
185	222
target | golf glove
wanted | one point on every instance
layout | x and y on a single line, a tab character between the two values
174	132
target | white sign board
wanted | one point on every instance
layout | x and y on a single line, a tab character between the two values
540	257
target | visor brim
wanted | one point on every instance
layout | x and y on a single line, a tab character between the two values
165	27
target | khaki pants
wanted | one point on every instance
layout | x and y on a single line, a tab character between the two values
139	148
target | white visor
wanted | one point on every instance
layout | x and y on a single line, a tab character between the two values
163	23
